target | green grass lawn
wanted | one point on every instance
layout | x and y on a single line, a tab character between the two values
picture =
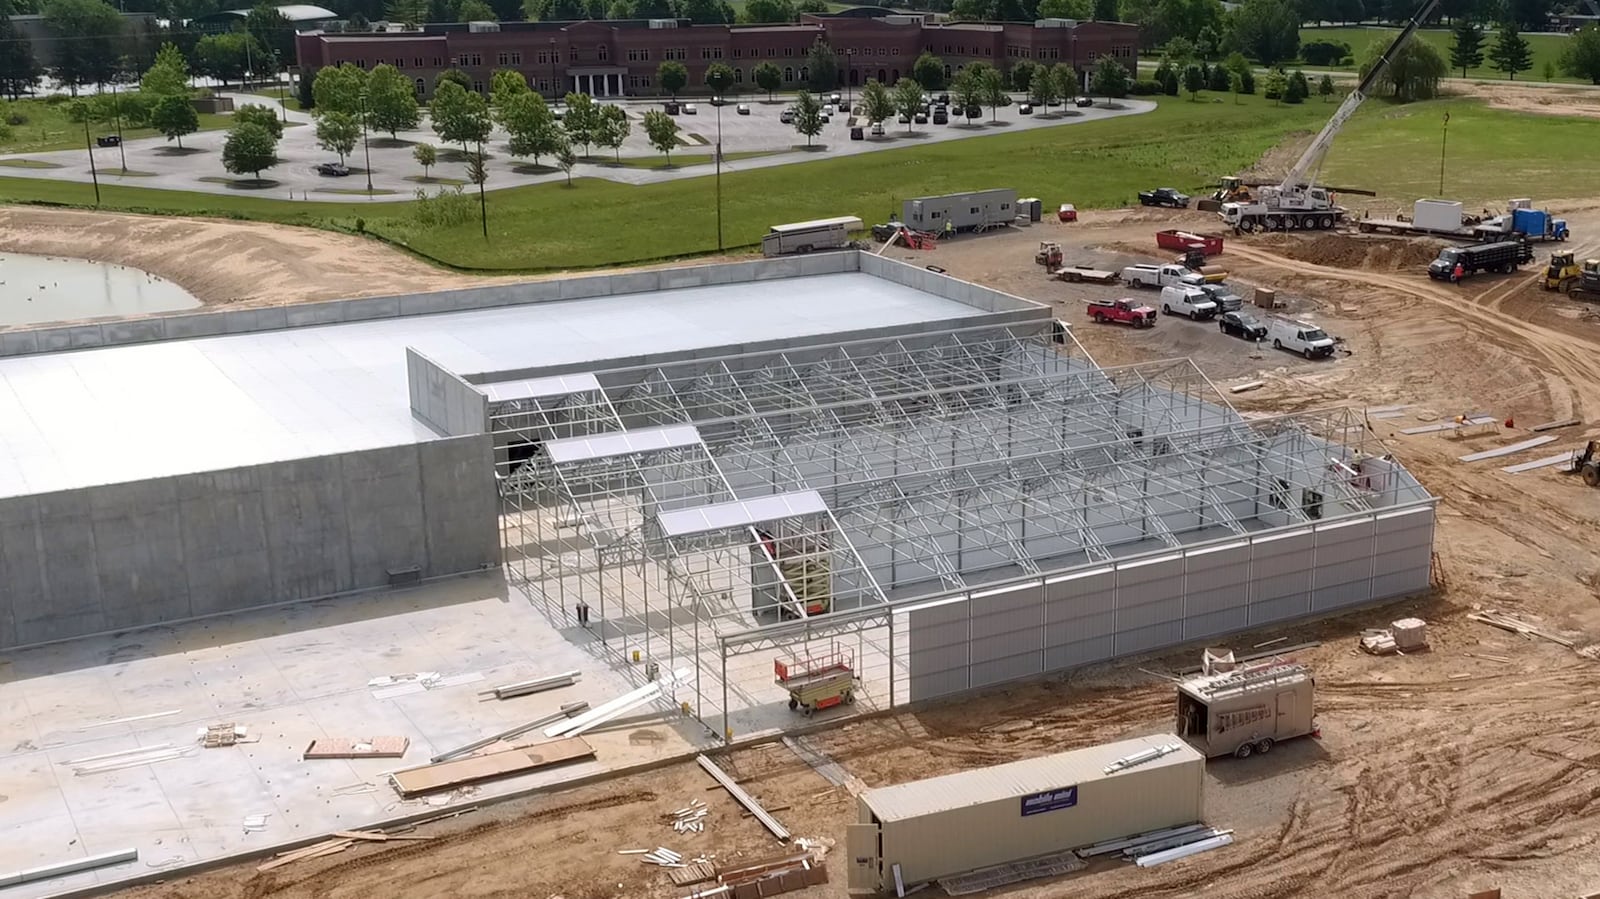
1545	47
1390	149
48	128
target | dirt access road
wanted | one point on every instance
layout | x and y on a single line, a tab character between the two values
1471	766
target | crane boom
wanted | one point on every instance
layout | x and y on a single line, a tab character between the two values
1301	177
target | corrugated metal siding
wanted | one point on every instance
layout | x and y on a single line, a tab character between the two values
1133	606
991	829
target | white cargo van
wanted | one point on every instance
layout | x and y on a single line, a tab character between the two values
1304	338
1190	301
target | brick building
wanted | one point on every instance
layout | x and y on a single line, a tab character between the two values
620	58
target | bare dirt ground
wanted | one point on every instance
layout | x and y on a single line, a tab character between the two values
1546	99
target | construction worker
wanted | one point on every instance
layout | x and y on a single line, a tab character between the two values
1457	274
583	613
949	229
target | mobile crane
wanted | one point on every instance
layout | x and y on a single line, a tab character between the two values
1298	203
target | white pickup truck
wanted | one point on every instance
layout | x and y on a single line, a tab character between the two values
1157	276
1187	300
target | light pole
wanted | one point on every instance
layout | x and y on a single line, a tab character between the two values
365	150
849	67
553	93
1444	138
277	75
116	105
718	158
88	144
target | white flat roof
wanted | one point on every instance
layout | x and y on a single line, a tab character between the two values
117	414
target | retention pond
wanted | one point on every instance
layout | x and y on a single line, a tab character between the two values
39	289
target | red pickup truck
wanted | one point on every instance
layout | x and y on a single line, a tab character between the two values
1129	312
1173	239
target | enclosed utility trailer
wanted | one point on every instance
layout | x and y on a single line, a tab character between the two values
1246	710
950	825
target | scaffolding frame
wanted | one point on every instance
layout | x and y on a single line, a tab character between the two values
967	454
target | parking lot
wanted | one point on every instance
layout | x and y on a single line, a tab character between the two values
394	172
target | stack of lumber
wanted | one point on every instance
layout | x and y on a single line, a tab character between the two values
1517	626
494	761
1403	636
339	842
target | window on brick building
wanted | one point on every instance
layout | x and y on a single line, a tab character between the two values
788	73
422	86
738	76
788	51
516	57
418	62
438	62
477	87
503	59
361	63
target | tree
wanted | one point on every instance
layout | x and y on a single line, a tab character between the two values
1277	83
1581	58
908	100
969	90
174	116
1045	89
504	84
1510	53
1181	51
1268	30
719	77
876	101
249	148
705	12
662	131
532	126
1207	42
85	35
1532	15
581	121
808	115
257	114
613	129
478	173
338	89
1466	52
768	77
929	72
459	115
1235	84
566	159
476	11
227	57
426	156
271	32
672	77
337	132
1105	10
1297	88
1413	73
1060	9
824	67
1217	79
1110	79
554	10
169	74
991	87
759	12
1325	87
1194	82
1022	75
19	69
409	13
811	6
455	75
391	100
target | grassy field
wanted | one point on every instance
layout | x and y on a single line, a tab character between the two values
1545	47
1390	149
48	128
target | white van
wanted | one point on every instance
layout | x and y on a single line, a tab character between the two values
1190	301
1304	338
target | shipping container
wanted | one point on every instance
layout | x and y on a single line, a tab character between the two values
990	816
1436	215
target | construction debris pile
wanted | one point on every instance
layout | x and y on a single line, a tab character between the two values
769	876
1518	626
1400	637
691	818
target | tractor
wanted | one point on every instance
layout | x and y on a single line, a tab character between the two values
1586	463
1580	282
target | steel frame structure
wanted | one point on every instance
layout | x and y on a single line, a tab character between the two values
941	460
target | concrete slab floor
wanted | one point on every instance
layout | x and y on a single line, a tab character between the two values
289	675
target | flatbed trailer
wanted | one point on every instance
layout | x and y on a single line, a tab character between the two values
1077	273
1395	226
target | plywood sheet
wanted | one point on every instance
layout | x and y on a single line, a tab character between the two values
357	748
445	775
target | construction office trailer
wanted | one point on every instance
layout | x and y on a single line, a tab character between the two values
944	826
976	211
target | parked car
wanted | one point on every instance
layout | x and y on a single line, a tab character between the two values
672	109
333	169
110	140
836	98
940	117
1243	325
1164	196
787	116
826	118
743	109
904	119
858	134
942	99
877	129
920	118
690	109
1083	101
1025	109
718	101
974	112
829	109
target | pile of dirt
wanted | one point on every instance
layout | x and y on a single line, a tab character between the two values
1380	254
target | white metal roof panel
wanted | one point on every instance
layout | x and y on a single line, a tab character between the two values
116	414
740	513
540	388
622	443
1017	779
849	221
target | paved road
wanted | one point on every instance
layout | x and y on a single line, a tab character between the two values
393	168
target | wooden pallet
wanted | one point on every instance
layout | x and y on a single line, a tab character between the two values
698	872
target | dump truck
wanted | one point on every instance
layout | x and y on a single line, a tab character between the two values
1500	256
1246	710
1126	311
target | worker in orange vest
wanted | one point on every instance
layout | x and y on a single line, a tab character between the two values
1458	274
